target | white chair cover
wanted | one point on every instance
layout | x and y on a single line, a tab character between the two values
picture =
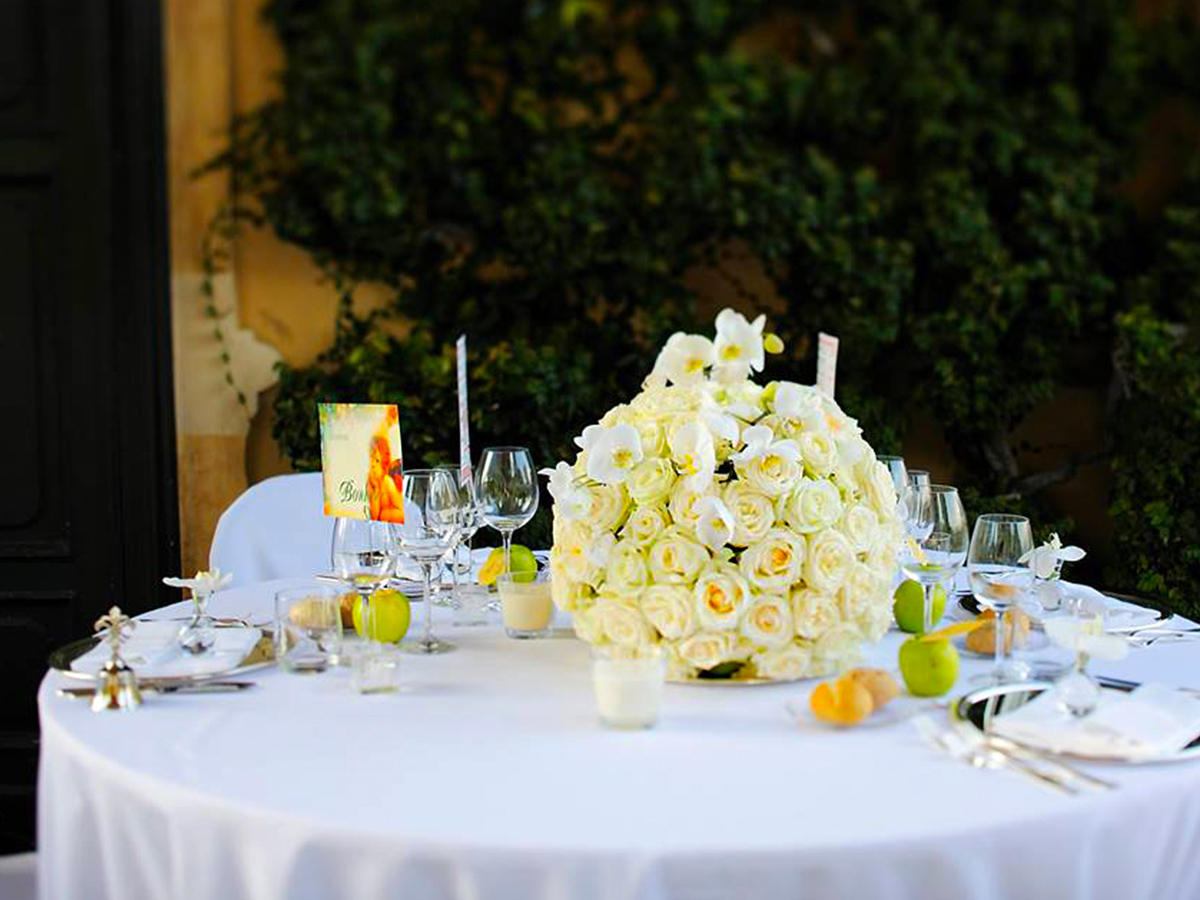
276	529
18	877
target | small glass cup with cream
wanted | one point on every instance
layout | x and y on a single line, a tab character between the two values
525	605
628	683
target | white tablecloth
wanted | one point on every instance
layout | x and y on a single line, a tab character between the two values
488	777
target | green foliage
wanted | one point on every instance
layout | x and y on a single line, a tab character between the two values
943	185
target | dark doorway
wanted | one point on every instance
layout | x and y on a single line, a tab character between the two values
88	509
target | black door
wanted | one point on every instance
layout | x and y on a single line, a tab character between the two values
88	513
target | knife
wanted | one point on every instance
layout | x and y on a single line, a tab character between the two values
1120	684
203	687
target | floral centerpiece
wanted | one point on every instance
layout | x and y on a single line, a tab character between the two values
747	529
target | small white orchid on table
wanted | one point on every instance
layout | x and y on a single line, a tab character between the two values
1046	562
199	635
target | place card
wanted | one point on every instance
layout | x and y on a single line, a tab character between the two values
827	351
361	463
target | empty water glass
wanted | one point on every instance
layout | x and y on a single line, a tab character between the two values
308	628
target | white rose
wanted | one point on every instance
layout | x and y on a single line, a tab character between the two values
819	451
623	624
645	524
650	481
684	505
813	612
830	557
669	608
610	503
627	572
649	429
860	589
773	473
567	593
837	649
711	648
876	485
790	662
816	504
675	558
570	553
753	513
721	595
768	621
860	524
587	625
773	564
875	618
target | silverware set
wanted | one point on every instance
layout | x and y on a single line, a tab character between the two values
983	751
165	686
1148	637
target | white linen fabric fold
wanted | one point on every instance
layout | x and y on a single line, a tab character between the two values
488	778
152	651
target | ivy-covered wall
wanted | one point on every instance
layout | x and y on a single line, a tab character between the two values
986	201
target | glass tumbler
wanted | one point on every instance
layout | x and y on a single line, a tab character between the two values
308	628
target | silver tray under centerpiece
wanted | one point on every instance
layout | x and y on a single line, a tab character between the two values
261	655
978	708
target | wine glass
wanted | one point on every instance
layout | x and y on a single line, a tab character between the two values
507	488
432	516
363	557
469	524
935	552
999	579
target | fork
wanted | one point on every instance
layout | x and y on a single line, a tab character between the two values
982	756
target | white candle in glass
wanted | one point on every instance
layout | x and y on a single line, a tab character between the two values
628	685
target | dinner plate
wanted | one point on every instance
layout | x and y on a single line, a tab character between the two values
1121	617
977	708
261	655
900	709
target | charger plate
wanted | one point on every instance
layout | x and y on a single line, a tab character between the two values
261	655
977	708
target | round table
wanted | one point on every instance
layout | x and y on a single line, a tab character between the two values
488	777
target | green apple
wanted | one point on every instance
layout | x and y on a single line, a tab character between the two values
391	613
909	606
929	667
524	565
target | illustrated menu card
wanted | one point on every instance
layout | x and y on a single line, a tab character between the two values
361	461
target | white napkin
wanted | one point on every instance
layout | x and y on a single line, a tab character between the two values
152	652
1154	720
1118	615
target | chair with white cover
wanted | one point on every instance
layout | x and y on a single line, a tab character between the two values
18	877
276	529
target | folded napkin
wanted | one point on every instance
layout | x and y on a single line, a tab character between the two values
152	651
1152	721
1118	615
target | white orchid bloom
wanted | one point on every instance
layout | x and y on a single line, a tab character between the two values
723	426
799	405
613	454
760	443
572	500
692	450
684	358
714	526
203	583
1086	636
1046	559
590	435
739	346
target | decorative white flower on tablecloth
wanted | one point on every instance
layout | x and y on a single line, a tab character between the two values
1045	560
613	454
202	583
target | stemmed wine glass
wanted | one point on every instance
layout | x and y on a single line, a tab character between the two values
937	544
363	557
999	579
468	524
432	514
507	488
